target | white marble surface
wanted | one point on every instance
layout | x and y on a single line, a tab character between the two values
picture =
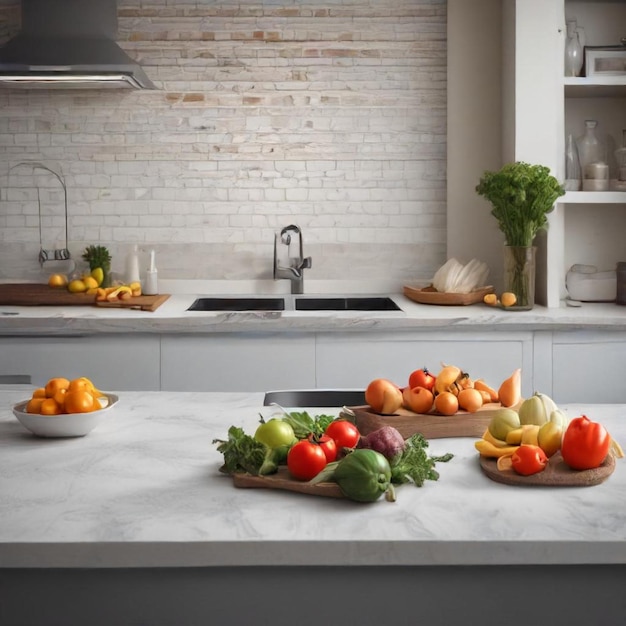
173	317
143	489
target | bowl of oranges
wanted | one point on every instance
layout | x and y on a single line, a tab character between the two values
65	408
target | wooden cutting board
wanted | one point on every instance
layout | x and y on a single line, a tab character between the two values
282	480
431	425
36	294
556	473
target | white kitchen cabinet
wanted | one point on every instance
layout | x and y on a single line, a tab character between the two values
585	227
356	359
233	362
588	367
115	362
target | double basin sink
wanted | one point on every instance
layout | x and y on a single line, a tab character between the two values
294	303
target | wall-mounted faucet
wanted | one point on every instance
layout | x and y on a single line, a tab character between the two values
294	270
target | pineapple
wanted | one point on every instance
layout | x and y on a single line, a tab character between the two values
99	257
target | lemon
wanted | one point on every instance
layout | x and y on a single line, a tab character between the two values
77	286
57	280
90	282
98	274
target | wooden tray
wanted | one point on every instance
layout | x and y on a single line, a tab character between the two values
556	474
143	303
429	295
283	480
431	425
37	294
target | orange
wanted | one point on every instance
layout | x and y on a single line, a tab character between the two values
57	280
84	384
508	298
80	401
39	393
59	398
470	399
446	403
54	384
49	406
34	405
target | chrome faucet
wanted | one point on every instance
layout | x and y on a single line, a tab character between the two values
294	271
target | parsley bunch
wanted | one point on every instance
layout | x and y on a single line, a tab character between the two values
521	196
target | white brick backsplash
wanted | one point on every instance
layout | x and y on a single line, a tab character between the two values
330	115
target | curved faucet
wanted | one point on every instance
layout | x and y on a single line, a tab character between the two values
293	271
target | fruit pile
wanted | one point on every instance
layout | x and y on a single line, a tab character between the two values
524	439
61	395
450	391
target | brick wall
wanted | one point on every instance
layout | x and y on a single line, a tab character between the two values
327	114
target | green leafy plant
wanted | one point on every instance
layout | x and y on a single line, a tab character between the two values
521	196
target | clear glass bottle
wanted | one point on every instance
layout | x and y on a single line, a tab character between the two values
573	50
573	174
591	148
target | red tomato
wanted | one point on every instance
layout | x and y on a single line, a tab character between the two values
327	444
422	378
585	444
527	460
345	433
306	460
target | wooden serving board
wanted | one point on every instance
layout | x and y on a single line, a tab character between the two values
429	295
283	480
556	473
37	294
144	303
431	425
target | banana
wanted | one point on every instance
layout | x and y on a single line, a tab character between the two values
486	448
487	436
446	378
514	437
530	434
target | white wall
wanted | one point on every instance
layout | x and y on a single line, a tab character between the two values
327	114
474	128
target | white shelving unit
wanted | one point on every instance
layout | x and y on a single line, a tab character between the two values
585	227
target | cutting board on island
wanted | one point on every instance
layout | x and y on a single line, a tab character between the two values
430	425
37	294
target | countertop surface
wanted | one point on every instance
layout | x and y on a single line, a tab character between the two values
143	490
173	317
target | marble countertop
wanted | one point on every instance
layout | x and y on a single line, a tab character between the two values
143	490
173	317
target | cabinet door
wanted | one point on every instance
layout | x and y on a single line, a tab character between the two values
589	367
115	362
231	362
354	361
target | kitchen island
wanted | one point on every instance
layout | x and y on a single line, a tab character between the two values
134	524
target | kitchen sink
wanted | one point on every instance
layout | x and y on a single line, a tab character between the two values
238	304
316	397
346	304
297	303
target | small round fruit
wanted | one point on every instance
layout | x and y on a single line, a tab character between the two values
57	280
446	403
77	286
90	282
80	401
34	405
275	433
470	400
54	384
491	299
508	298
49	407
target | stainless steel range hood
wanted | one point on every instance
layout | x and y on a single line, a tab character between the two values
69	44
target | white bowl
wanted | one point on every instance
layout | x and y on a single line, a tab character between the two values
65	424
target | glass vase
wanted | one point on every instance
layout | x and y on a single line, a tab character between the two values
519	275
573	174
573	50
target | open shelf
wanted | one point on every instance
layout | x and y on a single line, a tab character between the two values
593	197
610	86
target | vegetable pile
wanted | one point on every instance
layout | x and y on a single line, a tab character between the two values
325	448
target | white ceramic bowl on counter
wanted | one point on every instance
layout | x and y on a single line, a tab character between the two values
65	424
